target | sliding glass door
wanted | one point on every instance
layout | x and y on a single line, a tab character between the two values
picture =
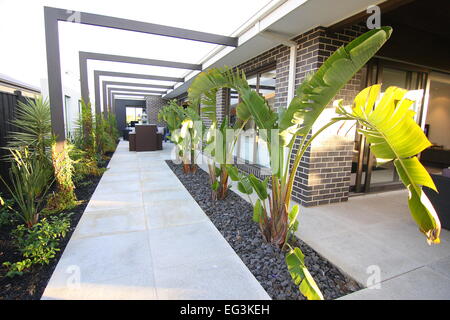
367	175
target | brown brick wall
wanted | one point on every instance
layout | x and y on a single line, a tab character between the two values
154	104
324	173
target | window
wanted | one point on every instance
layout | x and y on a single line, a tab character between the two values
250	147
133	113
66	115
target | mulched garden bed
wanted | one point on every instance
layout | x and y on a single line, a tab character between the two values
233	218
31	285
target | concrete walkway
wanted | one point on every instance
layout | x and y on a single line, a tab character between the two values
142	236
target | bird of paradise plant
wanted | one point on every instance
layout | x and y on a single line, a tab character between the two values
185	131
219	143
388	126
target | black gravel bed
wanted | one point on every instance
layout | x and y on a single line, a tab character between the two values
233	218
31	285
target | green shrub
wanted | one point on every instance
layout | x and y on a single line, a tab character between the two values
6	212
38	244
84	166
85	139
112	127
33	121
104	141
30	179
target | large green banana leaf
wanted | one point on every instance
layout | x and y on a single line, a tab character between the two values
208	82
394	135
295	261
316	92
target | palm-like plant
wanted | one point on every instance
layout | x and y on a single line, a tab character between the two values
34	129
30	181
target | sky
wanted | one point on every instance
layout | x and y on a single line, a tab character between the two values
23	58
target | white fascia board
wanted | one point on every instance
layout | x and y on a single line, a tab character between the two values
292	17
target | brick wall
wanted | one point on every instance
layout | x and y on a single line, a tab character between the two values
324	176
154	104
324	173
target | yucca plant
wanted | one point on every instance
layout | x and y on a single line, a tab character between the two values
30	180
34	128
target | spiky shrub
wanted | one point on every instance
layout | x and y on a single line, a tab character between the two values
111	127
34	129
84	152
30	180
87	142
105	139
64	198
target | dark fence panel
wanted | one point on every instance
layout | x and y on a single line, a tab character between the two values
8	104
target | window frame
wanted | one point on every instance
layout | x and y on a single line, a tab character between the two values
272	66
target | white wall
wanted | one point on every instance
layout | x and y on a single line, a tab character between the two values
438	114
73	91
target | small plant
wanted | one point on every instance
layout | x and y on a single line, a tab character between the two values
111	127
105	140
86	139
6	212
186	130
38	244
83	165
30	179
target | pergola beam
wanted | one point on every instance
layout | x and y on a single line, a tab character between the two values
85	56
143	27
101	73
114	95
112	90
51	18
105	84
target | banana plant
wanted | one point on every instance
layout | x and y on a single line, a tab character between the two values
186	131
394	135
219	142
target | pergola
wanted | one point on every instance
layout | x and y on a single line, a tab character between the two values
53	15
101	73
131	85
